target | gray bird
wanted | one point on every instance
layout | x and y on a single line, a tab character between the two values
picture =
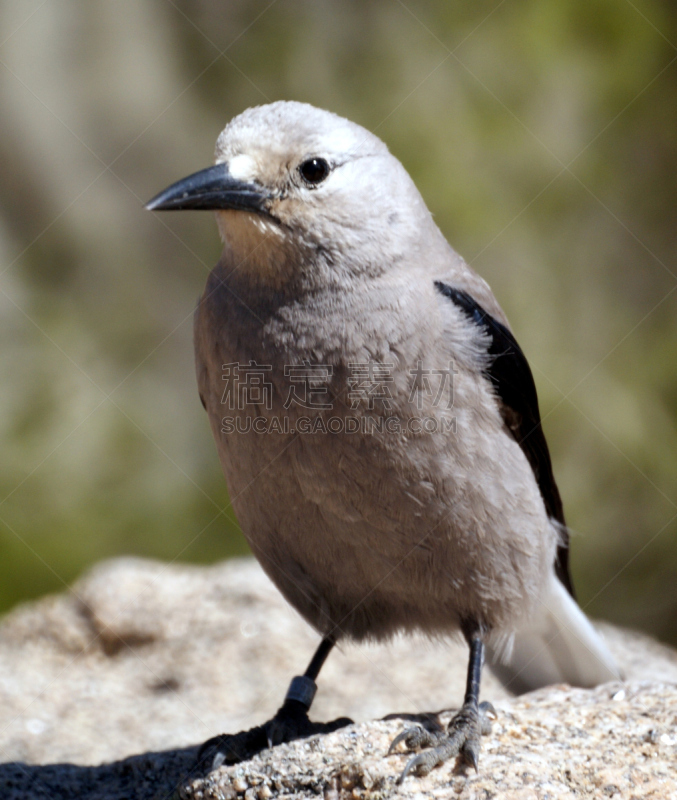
376	421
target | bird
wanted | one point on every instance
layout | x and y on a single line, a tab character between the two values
377	423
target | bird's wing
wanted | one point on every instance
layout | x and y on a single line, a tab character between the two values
510	374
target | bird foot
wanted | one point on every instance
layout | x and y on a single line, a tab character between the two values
291	722
461	738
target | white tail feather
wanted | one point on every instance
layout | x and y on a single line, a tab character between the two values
557	645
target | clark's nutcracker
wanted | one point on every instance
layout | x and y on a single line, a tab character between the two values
376	421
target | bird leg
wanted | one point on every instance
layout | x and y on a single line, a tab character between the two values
462	737
290	722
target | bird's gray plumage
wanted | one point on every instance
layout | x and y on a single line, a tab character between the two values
368	534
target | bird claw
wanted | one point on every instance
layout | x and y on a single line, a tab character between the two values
462	739
487	715
413	737
470	753
399	738
288	724
419	762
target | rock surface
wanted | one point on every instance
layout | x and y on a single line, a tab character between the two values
142	657
557	743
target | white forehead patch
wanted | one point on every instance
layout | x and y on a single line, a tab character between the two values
242	167
341	140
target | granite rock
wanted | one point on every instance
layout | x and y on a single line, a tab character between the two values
147	658
613	742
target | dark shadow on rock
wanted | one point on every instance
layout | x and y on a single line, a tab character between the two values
149	776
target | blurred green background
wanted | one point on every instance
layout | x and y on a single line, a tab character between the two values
543	136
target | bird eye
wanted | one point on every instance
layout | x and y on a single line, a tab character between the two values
314	170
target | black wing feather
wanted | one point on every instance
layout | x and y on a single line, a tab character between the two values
511	375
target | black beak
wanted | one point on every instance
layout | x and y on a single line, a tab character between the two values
210	189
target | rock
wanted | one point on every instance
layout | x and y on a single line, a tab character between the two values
143	657
555	743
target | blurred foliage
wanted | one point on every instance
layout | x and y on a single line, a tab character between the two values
542	136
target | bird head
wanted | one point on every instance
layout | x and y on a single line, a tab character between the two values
294	185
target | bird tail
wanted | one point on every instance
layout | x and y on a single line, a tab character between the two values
557	645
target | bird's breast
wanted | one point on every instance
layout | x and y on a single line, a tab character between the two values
362	463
